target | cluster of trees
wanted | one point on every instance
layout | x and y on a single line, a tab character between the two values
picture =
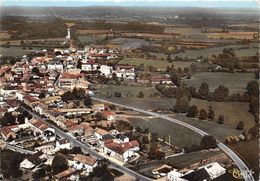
77	94
207	142
129	27
10	119
9	165
9	60
53	28
155	152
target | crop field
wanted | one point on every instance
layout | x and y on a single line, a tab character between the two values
150	35
90	39
240	51
186	31
4	35
166	128
128	43
235	82
82	32
232	35
232	111
162	64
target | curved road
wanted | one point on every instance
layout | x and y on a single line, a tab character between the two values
246	173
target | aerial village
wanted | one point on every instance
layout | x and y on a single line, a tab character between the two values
49	113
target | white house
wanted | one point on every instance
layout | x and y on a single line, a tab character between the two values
106	70
122	151
63	144
83	162
126	72
214	170
175	176
55	66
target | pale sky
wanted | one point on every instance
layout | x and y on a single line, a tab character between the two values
155	3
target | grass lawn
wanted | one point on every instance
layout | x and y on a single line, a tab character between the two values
249	151
90	39
162	64
232	111
180	136
13	51
211	127
147	102
236	82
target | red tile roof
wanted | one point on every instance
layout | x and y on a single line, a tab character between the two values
108	113
123	147
6	131
39	124
4	69
85	159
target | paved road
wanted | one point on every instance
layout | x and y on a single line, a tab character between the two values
86	148
240	164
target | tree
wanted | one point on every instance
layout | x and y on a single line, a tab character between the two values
117	94
211	114
240	125
87	101
59	163
140	94
35	70
182	104
203	114
138	129
79	64
254	106
208	142
169	58
41	95
8	119
155	153
154	137
114	77
253	88
192	111
221	94
254	131
221	119
203	90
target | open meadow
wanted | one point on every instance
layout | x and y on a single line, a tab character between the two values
235	82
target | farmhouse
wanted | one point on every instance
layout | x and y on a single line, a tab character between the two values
83	162
122	151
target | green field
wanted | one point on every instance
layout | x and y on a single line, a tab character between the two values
90	39
161	64
13	51
249	151
232	111
236	82
145	103
180	136
240	51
